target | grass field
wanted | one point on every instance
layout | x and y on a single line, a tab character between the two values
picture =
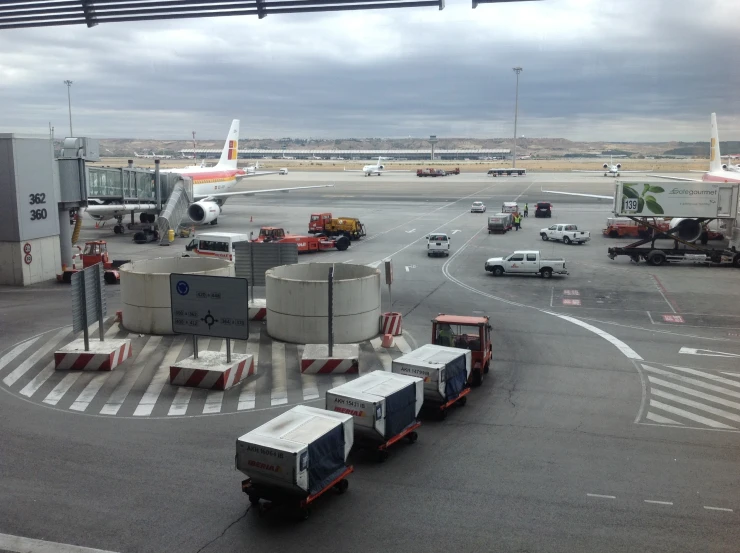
544	166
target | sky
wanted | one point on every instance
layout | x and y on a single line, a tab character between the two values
627	70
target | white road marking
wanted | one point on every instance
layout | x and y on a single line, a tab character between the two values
214	401
693	381
88	394
179	405
456	231
24	367
619	344
688	415
733	383
658	502
247	396
121	391
409	267
734	375
18	544
693	392
279	393
708	508
338	381
15	352
696	405
659	286
62	388
113	330
385	358
402	344
601	496
38	380
310	388
706	352
162	374
662	420
374	264
410	231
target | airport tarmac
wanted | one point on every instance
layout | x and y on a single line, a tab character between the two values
609	421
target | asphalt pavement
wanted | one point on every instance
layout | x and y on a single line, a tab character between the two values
609	420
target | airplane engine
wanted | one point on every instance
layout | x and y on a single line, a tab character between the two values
204	212
619	165
724	167
688	229
605	166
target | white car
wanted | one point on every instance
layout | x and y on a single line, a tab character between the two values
478	207
569	234
438	244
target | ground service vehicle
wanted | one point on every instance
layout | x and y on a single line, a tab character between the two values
543	209
510	207
526	262
96	252
324	223
215	244
500	223
430	172
478	207
305	243
438	244
619	227
507	172
473	333
569	234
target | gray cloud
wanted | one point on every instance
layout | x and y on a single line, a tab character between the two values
591	72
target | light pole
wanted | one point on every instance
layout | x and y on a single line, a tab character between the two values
69	103
517	70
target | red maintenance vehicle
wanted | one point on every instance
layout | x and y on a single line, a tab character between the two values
316	243
473	333
96	252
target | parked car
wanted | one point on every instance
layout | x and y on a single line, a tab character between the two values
477	207
567	233
438	244
543	209
526	262
510	207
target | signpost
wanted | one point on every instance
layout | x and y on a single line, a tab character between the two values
88	301
210	306
389	281
331	311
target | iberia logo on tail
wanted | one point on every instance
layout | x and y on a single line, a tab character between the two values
233	149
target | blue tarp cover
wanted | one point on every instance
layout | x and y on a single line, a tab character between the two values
325	459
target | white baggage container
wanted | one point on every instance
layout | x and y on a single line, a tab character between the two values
383	404
445	370
300	451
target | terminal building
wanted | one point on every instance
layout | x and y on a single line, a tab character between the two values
358	155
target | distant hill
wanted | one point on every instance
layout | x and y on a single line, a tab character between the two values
701	149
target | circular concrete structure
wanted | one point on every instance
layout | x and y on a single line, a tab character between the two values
145	289
298	303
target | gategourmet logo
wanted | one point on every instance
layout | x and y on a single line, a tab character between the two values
685	192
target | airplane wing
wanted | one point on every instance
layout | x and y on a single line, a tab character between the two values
684	179
584	171
620	171
255	174
598	196
395	171
354	171
252	192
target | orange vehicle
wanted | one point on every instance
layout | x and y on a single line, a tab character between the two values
95	252
324	223
305	243
473	333
619	227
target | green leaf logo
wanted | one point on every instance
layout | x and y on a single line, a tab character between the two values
653	206
656	189
640	205
646	189
629	192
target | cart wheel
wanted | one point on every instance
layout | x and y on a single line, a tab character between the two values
412	437
303	513
254	499
262	510
341	486
442	414
462	401
382	455
486	368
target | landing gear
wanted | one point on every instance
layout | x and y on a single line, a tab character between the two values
214	222
118	229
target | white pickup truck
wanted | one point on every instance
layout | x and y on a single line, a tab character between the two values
526	262
569	234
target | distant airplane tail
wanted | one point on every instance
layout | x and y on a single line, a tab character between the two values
231	148
715	158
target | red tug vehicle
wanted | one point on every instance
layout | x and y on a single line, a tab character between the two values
95	252
305	243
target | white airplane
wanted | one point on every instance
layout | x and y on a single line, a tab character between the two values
610	168
151	156
377	169
211	188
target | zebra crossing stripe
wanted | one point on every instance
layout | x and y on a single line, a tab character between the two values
179	405
383	355
695	393
662	420
24	367
697	405
88	394
62	388
693	381
688	415
402	344
121	391
279	394
15	352
38	380
149	399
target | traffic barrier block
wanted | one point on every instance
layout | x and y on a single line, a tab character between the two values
387	341
211	371
392	324
258	310
345	359
102	356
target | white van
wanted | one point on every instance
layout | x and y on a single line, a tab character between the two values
215	244
438	244
510	207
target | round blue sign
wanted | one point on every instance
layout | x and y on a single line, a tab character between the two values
183	288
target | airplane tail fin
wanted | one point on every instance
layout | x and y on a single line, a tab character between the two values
231	148
715	158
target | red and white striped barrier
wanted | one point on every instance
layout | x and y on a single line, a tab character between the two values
391	324
345	359
257	310
210	371
103	356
